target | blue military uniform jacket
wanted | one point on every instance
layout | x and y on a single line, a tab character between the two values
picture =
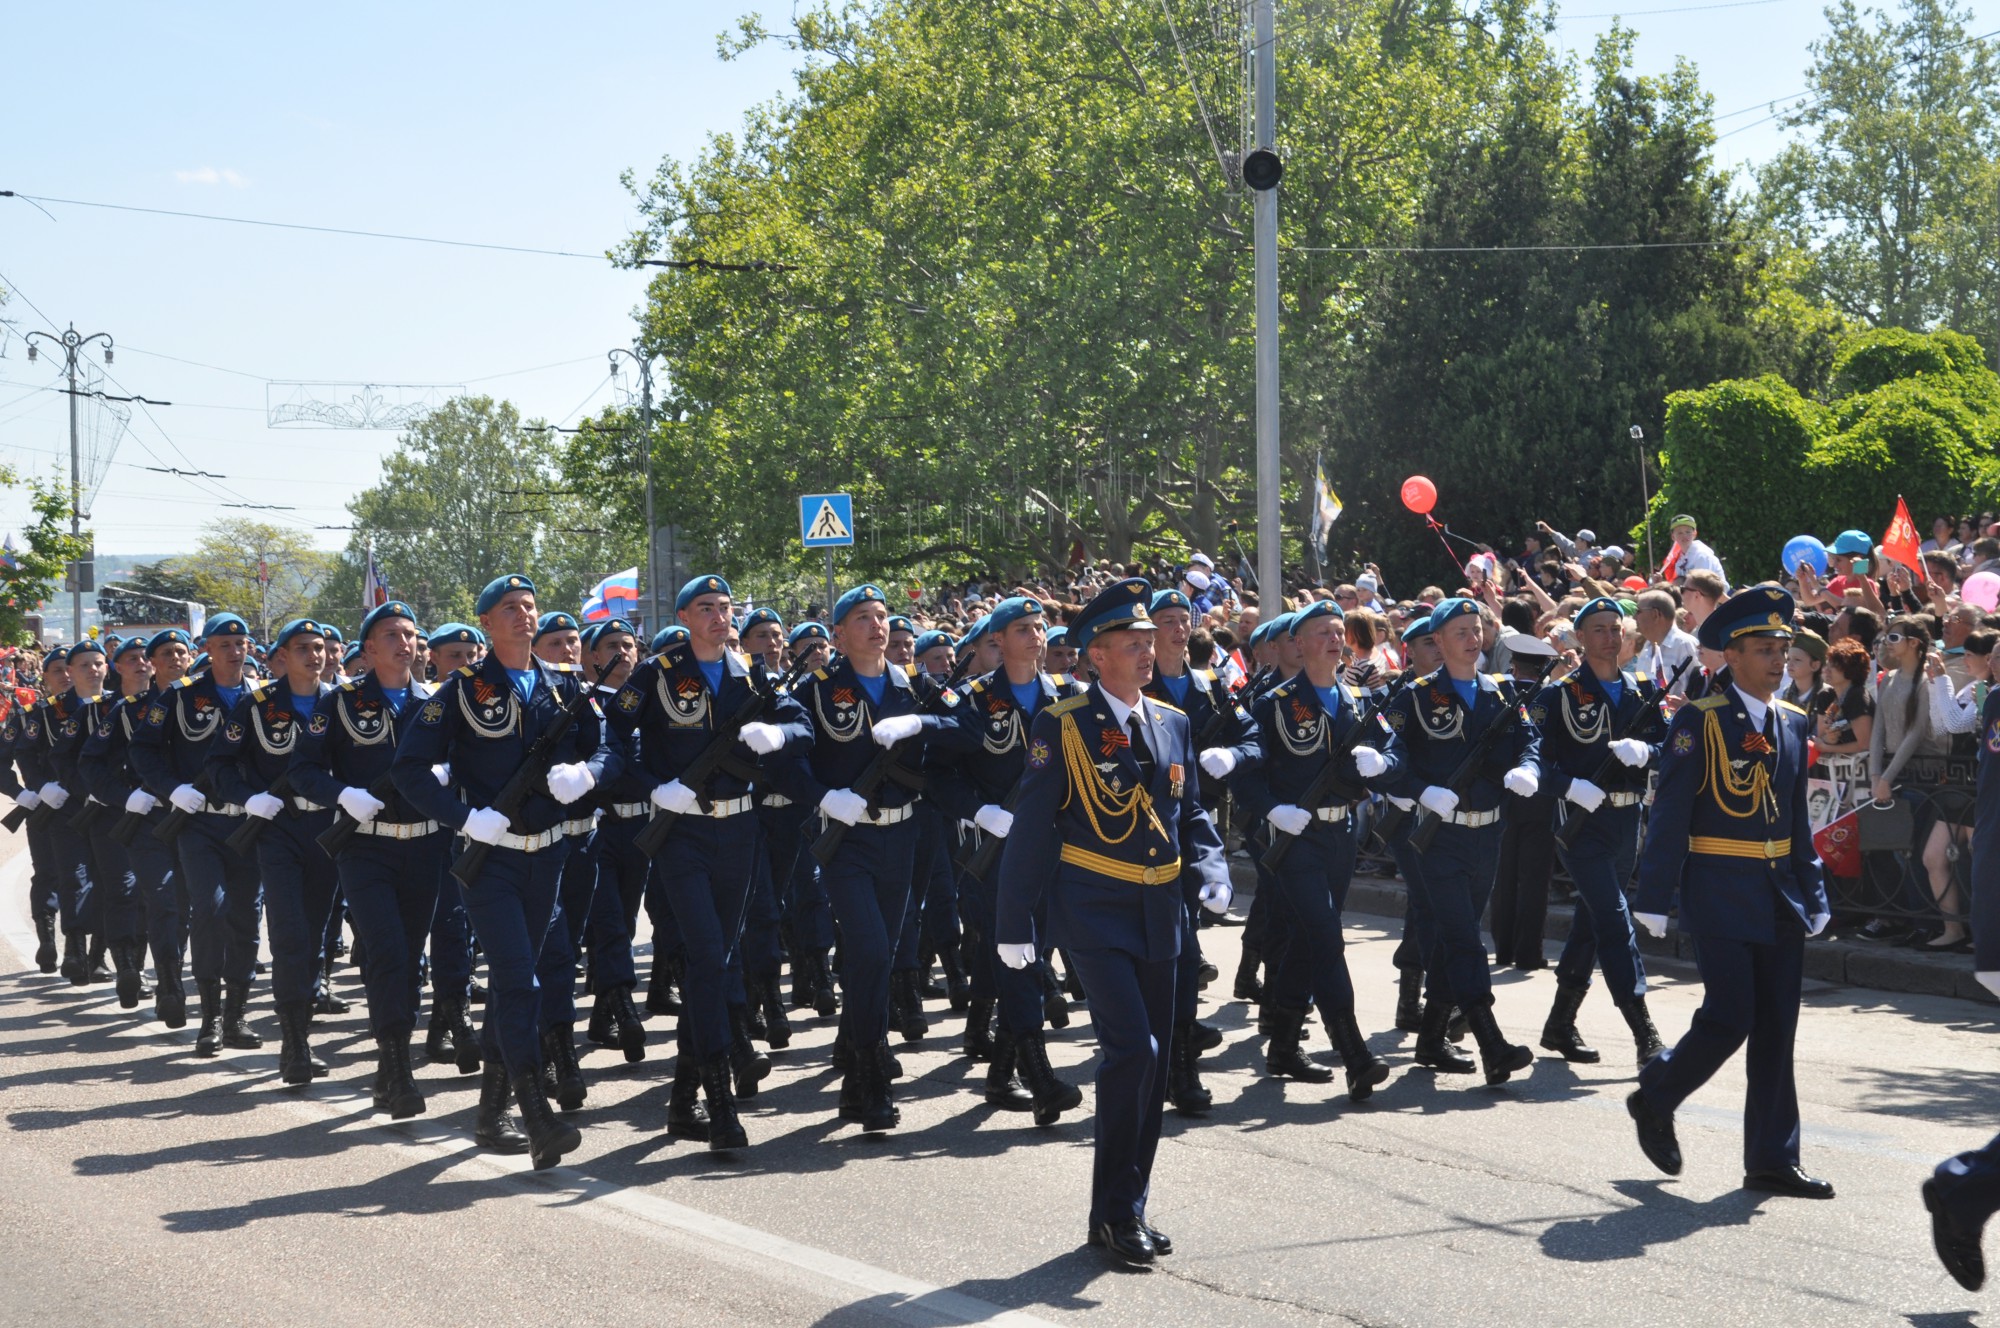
1295	732
10	746
1986	842
41	730
842	719
1728	828
171	743
351	741
105	766
1578	720
1205	699
257	743
477	723
986	742
66	738
1112	868
668	704
1437	733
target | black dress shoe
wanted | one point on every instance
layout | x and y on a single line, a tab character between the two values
1126	1241
1957	1247
1788	1180
1162	1246
1656	1134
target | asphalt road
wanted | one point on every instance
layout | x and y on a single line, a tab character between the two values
137	1183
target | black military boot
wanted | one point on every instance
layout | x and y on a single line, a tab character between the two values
878	1105
494	1127
441	1034
466	1053
1433	1048
398	1095
1203	1037
296	1063
1184	1087
1499	1056
45	942
236	1033
327	1002
1247	987
126	961
725	1130
548	1137
957	986
208	1042
100	971
1645	1037
663	988
892	1068
1054	1008
1559	1032
979	1043
805	983
169	996
1410	1000
601	1031
75	960
750	1065
1283	1057
1052	1096
629	1028
686	1117
560	1071
826	1002
771	997
1362	1070
854	1079
754	1009
906	1006
1003	1090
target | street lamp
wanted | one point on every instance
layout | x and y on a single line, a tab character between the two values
645	364
1638	436
71	344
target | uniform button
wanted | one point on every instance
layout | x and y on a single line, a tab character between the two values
1152	853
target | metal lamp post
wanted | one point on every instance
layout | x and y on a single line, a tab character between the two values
645	365
71	344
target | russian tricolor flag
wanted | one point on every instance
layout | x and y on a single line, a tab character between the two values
615	595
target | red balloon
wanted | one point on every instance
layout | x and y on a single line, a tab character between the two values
1419	494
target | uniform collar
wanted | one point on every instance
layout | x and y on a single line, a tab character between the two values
1753	709
1122	713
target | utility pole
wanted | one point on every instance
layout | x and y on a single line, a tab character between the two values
71	344
645	363
1262	170
1638	436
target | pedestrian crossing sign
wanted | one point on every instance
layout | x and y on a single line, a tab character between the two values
826	520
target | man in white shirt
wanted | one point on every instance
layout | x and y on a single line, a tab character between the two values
1665	646
1695	555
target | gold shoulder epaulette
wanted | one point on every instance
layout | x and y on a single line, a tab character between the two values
565	668
1069	703
349	685
464	671
186	680
1059	679
1711	702
1166	705
820	674
1795	709
977	686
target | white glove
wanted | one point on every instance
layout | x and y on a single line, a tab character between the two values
28	798
888	732
1630	751
1288	818
1016	956
442	774
141	802
1585	794
995	820
676	797
1369	763
567	783
762	739
188	798
1215	897
1217	762
844	805
359	803
485	825
1817	923
263	806
54	794
1655	923
1522	781
1439	799
1990	981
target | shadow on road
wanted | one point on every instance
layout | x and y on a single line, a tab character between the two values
1657	1217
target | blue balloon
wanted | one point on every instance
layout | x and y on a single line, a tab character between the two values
1803	549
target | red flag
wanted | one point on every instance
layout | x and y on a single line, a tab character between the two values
1667	567
1900	542
1839	845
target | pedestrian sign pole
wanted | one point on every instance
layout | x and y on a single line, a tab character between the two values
826	521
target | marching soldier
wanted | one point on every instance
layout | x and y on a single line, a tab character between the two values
1420	657
611	648
69	887
559	642
41	889
124	898
785	869
1111	772
1729	832
449	1038
809	643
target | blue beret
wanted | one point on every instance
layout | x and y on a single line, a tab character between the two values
1759	611
555	622
974	632
931	641
862	594
1058	636
1170	599
296	627
1010	611
225	624
395	608
332	633
1420	627
666	636
168	637
129	644
1447	609
198	663
1319	608
456	633
352	653
807	631
1602	604
695	589
1119	606
758	617
899	623
597	631
1281	625
85	647
1851	543
498	589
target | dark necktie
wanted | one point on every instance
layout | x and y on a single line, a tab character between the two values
1141	752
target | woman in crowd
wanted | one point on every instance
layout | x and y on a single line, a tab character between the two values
1902	733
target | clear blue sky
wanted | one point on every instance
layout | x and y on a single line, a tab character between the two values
502	122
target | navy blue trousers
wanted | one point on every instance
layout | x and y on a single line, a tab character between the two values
511	906
556	967
1600	862
1131	1013
450	935
43	898
392	896
933	907
806	908
165	901
868	884
704	873
119	903
1016	992
614	908
1307	900
76	878
1752	995
300	882
1450	885
223	900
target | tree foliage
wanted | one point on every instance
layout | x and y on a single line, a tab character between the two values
33	573
266	574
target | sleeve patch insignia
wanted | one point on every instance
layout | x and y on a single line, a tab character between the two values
629	700
432	713
69	728
1038	754
234	733
318	725
1683	743
156	715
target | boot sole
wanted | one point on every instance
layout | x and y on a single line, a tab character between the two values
1447	1067
1517	1058
1586	1056
1009	1102
510	1145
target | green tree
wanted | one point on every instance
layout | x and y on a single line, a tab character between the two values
32	574
267	574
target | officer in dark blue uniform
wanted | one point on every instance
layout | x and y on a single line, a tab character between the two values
1440	719
1729	832
479	727
69	873
123	896
610	650
449	1038
762	636
389	869
1260	947
1107	821
1420	656
856	705
808	916
1299	725
89	883
170	753
987	746
252	755
559	642
1600	711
